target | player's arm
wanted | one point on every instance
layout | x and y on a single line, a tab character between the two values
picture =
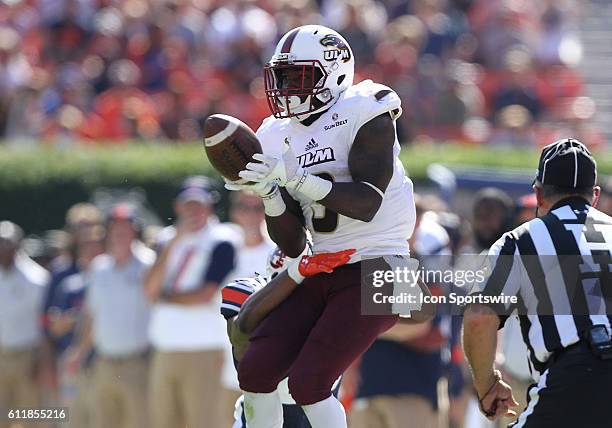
370	161
243	314
287	229
284	218
238	338
264	301
278	289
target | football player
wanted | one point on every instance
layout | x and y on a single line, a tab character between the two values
331	164
245	304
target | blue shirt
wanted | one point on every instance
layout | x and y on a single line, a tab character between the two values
66	292
391	368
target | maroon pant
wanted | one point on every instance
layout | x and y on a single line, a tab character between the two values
312	337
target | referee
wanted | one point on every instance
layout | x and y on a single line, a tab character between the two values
559	268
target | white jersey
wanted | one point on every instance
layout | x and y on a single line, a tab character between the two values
323	149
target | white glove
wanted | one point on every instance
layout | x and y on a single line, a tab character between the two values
274	205
283	170
287	172
261	188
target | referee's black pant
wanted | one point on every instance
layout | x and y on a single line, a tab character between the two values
575	391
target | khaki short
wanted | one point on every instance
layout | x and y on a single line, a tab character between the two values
184	389
120	392
18	388
393	412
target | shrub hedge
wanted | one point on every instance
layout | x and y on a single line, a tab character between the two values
37	186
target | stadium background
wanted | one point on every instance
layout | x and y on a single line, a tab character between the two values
104	100
80	75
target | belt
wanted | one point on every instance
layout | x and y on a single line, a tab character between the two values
15	352
577	348
124	358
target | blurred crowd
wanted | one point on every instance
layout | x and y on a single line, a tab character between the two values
111	317
500	72
120	320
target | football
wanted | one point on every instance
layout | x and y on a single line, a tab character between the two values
229	144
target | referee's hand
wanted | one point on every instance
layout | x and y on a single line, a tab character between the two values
498	401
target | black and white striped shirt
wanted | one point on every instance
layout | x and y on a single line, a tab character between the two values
560	268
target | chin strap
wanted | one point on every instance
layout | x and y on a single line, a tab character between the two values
323	108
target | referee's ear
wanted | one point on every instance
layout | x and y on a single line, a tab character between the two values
539	198
596	195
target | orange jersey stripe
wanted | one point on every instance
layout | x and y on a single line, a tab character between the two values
234	296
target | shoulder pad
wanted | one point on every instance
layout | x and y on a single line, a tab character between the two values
269	134
265	124
374	99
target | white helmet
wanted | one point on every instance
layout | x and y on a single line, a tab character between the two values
311	66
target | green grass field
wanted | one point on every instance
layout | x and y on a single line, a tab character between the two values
37	186
142	162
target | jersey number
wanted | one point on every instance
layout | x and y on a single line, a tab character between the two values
597	270
327	221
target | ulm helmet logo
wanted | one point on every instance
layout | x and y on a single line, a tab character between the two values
340	49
